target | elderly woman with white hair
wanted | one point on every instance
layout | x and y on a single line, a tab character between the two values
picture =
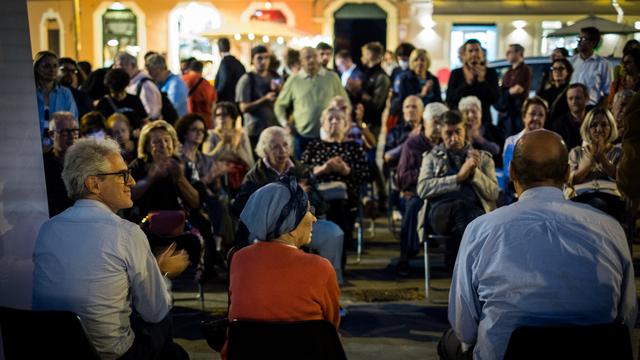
274	149
594	164
413	149
273	280
341	168
483	136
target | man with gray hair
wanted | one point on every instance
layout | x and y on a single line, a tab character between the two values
90	261
418	143
169	83
309	93
64	131
542	261
140	85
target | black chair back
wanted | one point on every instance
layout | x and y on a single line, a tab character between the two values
34	334
310	340
604	341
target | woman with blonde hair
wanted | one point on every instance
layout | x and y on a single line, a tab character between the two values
593	165
419	81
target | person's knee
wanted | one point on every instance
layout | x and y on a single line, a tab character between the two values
328	230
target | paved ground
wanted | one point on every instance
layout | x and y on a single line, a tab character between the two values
388	316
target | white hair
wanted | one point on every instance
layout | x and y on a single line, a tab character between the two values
433	112
85	158
59	115
469	101
267	135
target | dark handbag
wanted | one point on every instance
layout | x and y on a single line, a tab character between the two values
215	332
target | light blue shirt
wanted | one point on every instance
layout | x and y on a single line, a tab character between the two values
595	73
177	92
541	261
90	261
507	155
60	99
344	77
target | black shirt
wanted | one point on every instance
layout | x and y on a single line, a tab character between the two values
130	106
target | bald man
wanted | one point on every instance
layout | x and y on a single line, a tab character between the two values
542	261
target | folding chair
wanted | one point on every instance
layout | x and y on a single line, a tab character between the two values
310	340
602	341
36	334
428	238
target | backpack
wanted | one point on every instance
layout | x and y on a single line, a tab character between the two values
168	112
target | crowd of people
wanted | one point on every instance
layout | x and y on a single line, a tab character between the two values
266	156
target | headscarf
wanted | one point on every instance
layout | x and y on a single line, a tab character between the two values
275	209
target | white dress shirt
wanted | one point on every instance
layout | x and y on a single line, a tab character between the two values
595	73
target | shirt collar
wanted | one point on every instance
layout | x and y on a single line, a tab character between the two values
266	163
305	75
92	203
544	193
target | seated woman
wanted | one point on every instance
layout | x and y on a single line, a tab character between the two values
341	168
272	280
274	148
229	144
191	132
119	129
483	136
594	164
534	116
165	182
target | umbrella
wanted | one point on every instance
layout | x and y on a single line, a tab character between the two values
605	26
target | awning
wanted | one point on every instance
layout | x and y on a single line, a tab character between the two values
605	26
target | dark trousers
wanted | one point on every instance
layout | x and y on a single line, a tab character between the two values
344	215
153	341
607	203
450	348
409	240
451	217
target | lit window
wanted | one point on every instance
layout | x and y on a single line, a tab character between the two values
548	44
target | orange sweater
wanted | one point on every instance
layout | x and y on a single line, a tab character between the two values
275	282
272	281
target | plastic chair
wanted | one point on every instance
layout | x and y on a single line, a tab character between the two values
310	340
38	334
602	341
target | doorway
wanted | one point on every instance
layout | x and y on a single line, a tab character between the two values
358	24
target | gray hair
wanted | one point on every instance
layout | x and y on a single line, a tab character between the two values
126	58
59	115
433	112
144	138
85	158
267	135
469	101
156	61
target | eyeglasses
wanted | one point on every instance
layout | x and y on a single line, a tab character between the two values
68	132
126	174
558	68
67	70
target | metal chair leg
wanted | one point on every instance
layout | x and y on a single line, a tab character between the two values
427	272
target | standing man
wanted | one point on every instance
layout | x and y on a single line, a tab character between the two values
542	261
325	51
90	261
309	92
473	78
140	85
515	89
376	88
64	131
351	77
591	69
229	72
458	182
202	95
169	83
256	92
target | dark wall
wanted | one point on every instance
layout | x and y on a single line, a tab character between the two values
352	34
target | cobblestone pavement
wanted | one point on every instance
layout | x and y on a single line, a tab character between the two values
387	315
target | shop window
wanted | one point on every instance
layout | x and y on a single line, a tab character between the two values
549	43
487	34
